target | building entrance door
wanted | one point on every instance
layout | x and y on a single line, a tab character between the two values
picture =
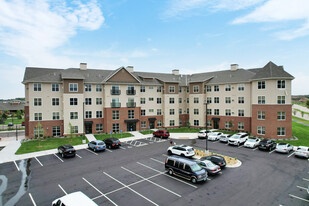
151	125
88	128
131	126
216	124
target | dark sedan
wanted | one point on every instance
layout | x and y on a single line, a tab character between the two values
267	144
112	142
67	150
218	160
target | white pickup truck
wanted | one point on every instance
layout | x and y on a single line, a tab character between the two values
238	138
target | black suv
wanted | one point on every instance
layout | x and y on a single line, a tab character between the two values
267	144
112	142
185	168
217	160
67	150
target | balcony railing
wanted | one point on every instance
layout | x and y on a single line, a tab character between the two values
115	104
115	91
131	92
131	104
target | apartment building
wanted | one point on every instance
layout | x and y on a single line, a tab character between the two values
254	100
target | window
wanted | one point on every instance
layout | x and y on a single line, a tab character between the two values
281	99
208	111
150	99
142	89
180	111
196	100
38	132
56	131
209	123
130	114
180	100
172	89
74	129
115	90
216	100
99	127
159	123
261	84
281	131
56	116
172	100
37	116
261	115
261	99
143	124
241	112
98	88
55	87
115	127
151	110
180	89
115	103
241	87
261	130
280	115
216	88
228	100
196	122
188	111
130	90
281	84
150	87
228	112
241	126
37	102
159	112
208	100
88	101
159	89
88	114
115	114
196	89
208	88
188	100
73	115
73	87
216	112
172	111
188	89
241	100
180	121
143	100
143	112
99	114
228	124
98	101
196	112
228	87
37	87
73	101
55	101
172	123
87	87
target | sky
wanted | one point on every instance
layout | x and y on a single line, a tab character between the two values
152	35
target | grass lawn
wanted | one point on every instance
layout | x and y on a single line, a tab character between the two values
146	132
183	130
49	143
301	120
301	132
299	103
15	121
119	136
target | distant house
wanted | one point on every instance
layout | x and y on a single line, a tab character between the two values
304	100
12	105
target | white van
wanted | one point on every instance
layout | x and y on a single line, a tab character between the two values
73	199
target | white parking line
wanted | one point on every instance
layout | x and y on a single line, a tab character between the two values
109	150
306	179
271	151
291	154
38	161
227	144
240	146
165	155
58	157
62	189
299	198
157	160
99	191
16	166
167	175
301	187
78	156
256	148
151	182
91	151
122	148
131	189
32	200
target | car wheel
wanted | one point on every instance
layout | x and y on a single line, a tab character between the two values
161	136
94	150
170	172
238	144
169	152
193	180
182	155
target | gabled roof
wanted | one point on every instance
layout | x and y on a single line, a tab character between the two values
270	71
116	71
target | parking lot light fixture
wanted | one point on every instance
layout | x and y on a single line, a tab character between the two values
206	129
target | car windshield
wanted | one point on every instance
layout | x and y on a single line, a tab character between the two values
236	136
190	150
210	164
302	149
281	145
201	132
100	143
251	140
195	168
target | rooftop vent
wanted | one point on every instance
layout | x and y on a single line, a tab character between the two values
83	66
130	68
175	71
234	67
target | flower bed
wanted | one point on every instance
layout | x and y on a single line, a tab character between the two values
230	161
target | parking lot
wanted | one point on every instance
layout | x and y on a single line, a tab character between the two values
134	174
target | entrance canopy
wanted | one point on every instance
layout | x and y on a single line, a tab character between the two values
88	122
215	118
131	120
152	119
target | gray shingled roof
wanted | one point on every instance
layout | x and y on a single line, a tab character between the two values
10	107
270	70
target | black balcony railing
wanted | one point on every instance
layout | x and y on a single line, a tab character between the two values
115	104
115	91
131	104
131	92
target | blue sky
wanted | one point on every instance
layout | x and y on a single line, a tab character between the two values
153	35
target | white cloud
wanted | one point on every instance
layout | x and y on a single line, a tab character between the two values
298	84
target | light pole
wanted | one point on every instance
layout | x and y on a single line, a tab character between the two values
206	128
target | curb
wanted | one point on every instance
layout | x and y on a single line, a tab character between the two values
238	164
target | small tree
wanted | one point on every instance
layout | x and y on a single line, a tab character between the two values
71	131
294	112
39	132
307	103
19	114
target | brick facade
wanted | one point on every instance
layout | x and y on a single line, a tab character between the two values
234	120
47	126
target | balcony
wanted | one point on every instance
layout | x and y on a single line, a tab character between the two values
131	104
115	91
115	104
131	92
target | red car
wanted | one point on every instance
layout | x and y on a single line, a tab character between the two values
161	133
23	124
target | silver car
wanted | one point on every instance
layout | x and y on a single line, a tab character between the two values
209	166
224	137
302	152
284	148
